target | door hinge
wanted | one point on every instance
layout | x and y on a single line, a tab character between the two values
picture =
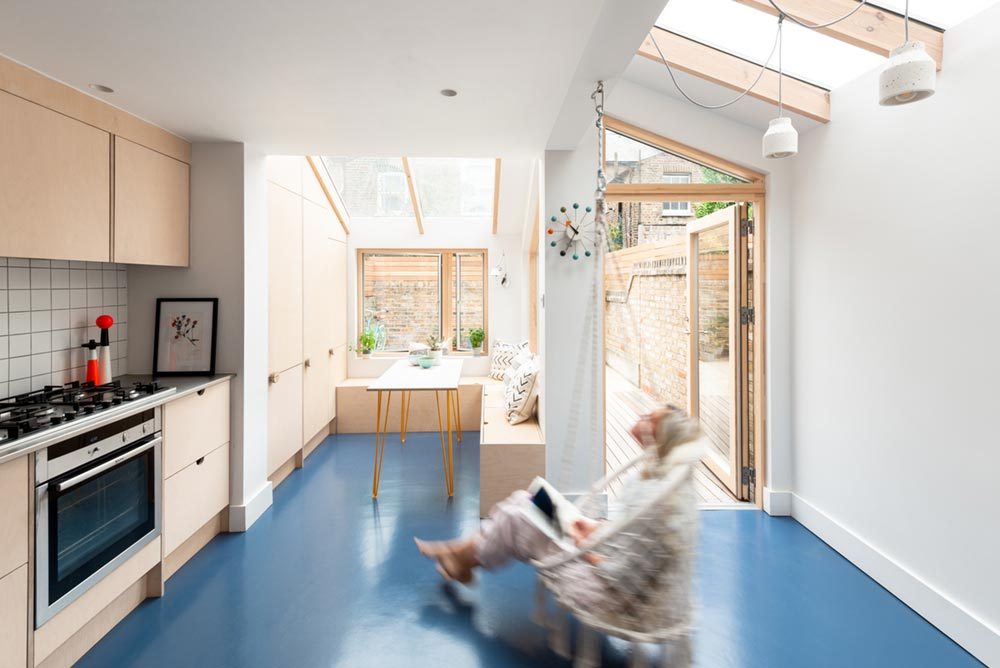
748	476
746	227
746	315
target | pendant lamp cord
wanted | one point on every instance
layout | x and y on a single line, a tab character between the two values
906	22
670	71
817	26
781	70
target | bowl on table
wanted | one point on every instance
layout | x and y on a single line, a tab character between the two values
426	362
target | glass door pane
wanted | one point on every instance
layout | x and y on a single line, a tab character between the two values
714	338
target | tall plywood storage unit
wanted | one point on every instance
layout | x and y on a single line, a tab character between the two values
307	316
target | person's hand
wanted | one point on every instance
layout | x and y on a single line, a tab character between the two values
580	531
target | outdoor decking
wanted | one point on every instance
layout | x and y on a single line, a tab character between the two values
625	403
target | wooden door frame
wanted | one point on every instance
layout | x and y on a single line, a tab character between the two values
757	196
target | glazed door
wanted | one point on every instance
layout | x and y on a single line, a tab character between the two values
714	350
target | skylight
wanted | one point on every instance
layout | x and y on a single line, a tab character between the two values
371	187
454	187
749	33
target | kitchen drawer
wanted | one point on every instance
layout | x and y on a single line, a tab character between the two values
14	619
193	496
193	426
14	493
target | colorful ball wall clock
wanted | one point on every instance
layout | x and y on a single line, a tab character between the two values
573	232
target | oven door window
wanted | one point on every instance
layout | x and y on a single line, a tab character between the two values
96	520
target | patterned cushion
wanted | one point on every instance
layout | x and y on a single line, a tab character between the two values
503	354
515	364
521	393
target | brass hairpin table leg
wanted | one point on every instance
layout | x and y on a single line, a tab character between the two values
381	427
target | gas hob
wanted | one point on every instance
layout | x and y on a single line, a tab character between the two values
54	405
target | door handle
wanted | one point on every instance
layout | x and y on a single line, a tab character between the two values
307	363
273	378
330	352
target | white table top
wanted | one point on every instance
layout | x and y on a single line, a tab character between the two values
404	376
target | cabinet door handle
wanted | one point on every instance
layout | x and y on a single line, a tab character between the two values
330	352
199	461
272	379
307	363
201	392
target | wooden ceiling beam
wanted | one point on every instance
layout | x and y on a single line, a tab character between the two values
684	192
414	199
330	190
725	69
496	195
871	28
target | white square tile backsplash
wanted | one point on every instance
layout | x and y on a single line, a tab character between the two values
47	311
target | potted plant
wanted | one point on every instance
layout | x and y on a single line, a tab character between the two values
366	343
476	337
434	343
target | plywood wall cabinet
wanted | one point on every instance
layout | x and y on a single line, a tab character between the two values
151	196
318	280
56	176
284	217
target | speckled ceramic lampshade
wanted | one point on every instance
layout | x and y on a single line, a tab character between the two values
909	75
781	140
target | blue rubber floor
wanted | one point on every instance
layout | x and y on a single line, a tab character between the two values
327	577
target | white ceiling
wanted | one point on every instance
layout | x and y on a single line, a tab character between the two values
332	77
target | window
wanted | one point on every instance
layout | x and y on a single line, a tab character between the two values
677	208
391	189
371	187
454	187
407	296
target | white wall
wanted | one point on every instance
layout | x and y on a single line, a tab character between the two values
223	241
507	309
895	312
569	177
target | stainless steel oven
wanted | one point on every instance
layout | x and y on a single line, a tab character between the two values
97	503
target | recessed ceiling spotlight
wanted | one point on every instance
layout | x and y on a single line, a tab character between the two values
101	88
448	92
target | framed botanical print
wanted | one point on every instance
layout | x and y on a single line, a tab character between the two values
184	342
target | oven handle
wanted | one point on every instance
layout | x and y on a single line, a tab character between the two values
63	485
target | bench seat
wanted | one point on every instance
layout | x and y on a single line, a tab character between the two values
510	455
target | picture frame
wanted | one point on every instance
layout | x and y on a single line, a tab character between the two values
181	344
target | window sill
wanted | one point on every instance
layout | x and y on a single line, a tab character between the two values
403	356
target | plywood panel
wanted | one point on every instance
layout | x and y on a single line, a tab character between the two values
193	496
14	619
284	417
14	517
338	292
284	216
193	426
56	176
31	85
152	194
505	468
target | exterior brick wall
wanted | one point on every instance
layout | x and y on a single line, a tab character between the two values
648	329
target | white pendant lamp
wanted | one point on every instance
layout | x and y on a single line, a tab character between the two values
781	140
910	75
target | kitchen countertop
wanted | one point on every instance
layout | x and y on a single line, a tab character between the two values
180	386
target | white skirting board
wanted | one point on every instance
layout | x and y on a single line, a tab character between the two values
777	504
959	624
242	517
